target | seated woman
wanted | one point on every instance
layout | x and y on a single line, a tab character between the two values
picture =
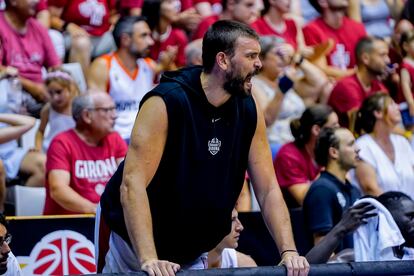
295	164
279	103
387	159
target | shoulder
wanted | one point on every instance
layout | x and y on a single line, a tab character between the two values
289	151
322	188
179	35
355	25
37	27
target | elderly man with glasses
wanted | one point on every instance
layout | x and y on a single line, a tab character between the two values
8	262
81	160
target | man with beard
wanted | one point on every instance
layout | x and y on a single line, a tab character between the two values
194	137
331	195
372	63
333	25
8	262
127	74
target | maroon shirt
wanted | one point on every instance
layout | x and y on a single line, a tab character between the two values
348	94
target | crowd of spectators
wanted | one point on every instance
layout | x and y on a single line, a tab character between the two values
325	64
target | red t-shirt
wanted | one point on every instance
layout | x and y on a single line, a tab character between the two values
176	37
294	166
92	15
345	38
407	66
90	167
289	35
28	52
203	26
348	94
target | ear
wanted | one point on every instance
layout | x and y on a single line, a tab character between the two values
222	61
378	114
365	58
125	39
86	116
333	153
315	130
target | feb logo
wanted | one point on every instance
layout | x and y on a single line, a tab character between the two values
61	253
214	146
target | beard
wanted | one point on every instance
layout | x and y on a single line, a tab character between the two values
139	54
375	72
235	84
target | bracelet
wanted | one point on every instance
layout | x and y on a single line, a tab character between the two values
288	250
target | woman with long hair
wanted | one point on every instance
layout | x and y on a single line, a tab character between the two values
387	159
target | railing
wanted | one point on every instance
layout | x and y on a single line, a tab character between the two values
361	269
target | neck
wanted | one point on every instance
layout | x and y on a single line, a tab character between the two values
88	136
333	18
127	59
310	147
365	77
15	20
226	15
335	169
214	257
274	16
382	132
268	77
212	85
163	26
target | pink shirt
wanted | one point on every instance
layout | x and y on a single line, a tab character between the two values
27	52
289	35
176	37
90	167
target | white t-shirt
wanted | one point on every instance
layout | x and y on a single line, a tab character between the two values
13	268
397	176
292	107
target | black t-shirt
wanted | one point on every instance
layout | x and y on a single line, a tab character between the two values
324	204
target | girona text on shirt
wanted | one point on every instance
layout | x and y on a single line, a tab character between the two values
95	168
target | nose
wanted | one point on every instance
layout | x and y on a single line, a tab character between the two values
5	248
239	226
257	63
150	41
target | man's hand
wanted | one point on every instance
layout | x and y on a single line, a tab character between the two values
160	268
295	265
355	216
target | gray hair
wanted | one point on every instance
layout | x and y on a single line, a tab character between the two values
81	103
268	42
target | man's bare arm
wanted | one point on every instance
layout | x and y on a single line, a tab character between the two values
271	201
98	75
148	140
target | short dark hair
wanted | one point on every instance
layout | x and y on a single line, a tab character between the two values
151	10
365	45
125	26
315	115
222	37
315	5
327	138
406	37
365	120
391	200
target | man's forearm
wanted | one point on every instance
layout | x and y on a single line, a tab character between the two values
37	90
277	219
138	221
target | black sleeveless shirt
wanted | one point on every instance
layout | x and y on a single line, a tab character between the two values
201	172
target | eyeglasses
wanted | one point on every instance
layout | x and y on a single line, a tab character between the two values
104	109
6	239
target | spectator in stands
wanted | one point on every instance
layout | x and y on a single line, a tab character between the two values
25	45
274	94
225	255
334	25
193	52
161	14
387	159
85	25
58	112
295	164
331	194
407	78
127	74
13	126
349	93
401	207
243	11
9	265
81	160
